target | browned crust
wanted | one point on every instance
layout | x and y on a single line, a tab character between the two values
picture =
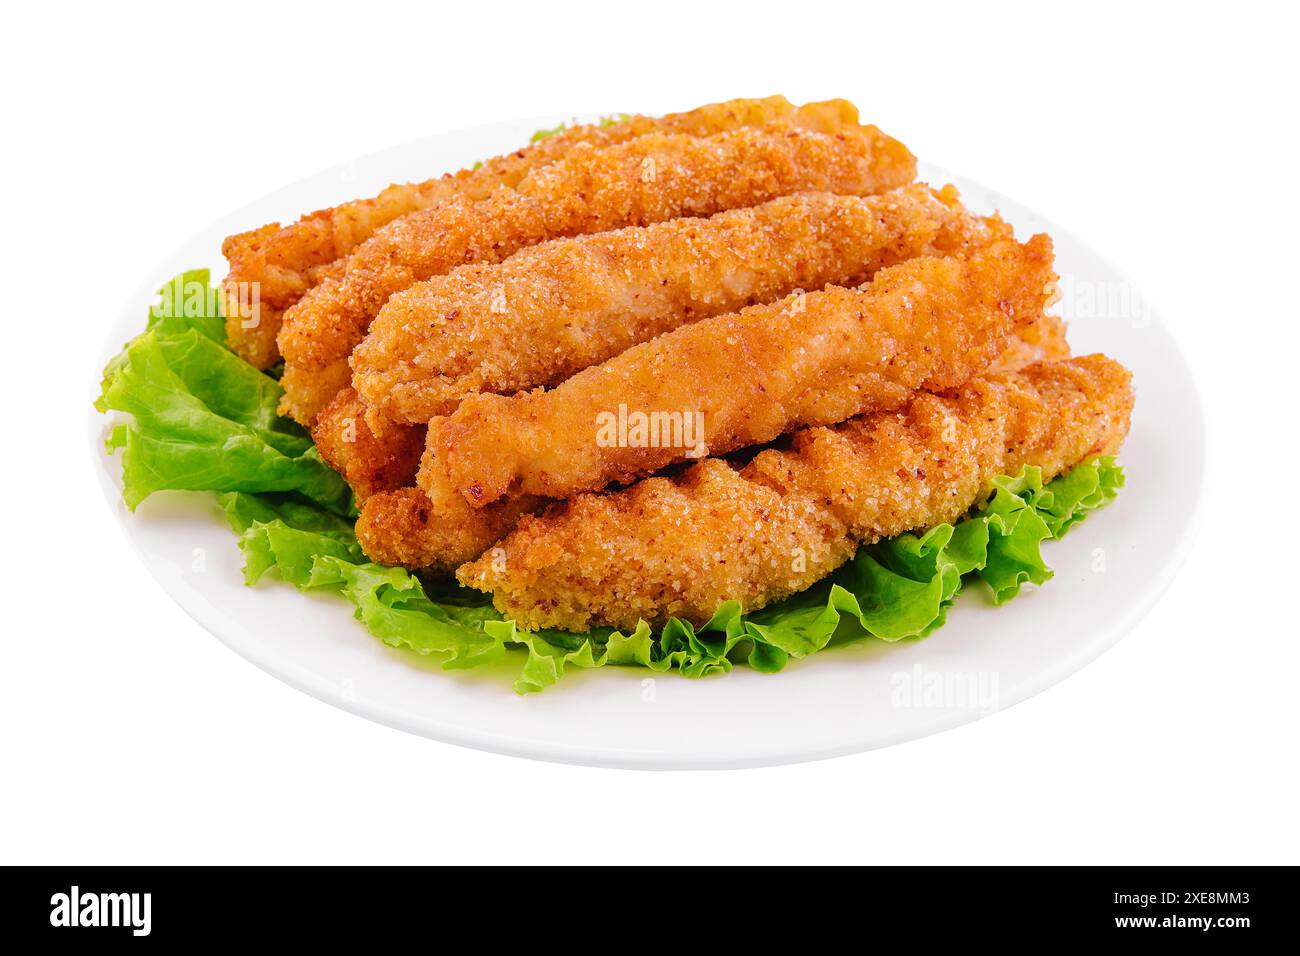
285	261
404	527
747	377
682	546
556	308
368	463
653	178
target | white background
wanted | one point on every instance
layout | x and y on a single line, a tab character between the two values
1164	136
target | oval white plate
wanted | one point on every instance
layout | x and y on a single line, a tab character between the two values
1109	570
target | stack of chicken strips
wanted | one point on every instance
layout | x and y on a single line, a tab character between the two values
638	369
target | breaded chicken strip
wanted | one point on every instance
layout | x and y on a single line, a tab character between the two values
370	463
744	378
404	527
683	546
285	261
1041	341
652	178
561	306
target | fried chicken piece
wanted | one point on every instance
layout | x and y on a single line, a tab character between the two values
1041	341
562	306
744	378
286	261
370	463
404	527
683	546
557	287
652	178
599	294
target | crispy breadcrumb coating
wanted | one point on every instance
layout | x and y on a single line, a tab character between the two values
744	378
285	261
652	178
682	546
370	463
561	306
404	527
1041	341
564	305
571	301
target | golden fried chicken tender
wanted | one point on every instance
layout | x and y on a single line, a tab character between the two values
744	378
1041	341
683	546
404	527
370	463
652	178
285	261
561	306
574	302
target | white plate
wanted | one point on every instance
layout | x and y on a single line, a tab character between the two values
1109	570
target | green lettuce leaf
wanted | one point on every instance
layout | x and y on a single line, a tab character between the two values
314	549
204	420
201	418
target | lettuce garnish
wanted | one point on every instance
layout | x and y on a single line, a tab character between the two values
612	119
203	420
